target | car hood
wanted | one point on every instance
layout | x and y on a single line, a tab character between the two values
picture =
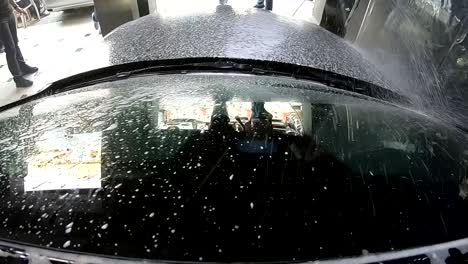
250	34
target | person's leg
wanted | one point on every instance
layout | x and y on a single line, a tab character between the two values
10	48
19	55
11	45
14	34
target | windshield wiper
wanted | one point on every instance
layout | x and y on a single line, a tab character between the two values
214	65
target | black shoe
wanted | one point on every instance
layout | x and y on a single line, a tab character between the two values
26	69
259	6
22	82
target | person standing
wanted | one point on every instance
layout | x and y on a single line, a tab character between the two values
9	38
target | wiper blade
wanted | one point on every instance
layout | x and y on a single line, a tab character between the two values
217	65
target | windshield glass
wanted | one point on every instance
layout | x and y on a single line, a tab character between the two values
228	168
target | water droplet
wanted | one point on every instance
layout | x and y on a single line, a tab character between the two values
251	205
151	215
104	226
231	177
67	244
173	231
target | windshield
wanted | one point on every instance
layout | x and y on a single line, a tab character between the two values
202	167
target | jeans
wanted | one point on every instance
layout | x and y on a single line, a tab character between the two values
9	38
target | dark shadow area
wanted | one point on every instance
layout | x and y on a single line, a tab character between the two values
456	257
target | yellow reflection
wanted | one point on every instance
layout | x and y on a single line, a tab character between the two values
65	162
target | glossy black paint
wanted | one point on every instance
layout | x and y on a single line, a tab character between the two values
252	34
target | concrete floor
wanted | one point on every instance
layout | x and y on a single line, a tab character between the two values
61	45
66	43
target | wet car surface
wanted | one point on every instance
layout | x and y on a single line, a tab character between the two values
95	171
243	34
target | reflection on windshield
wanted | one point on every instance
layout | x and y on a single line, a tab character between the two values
65	162
191	114
201	167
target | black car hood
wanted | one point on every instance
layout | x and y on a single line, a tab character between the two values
252	34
